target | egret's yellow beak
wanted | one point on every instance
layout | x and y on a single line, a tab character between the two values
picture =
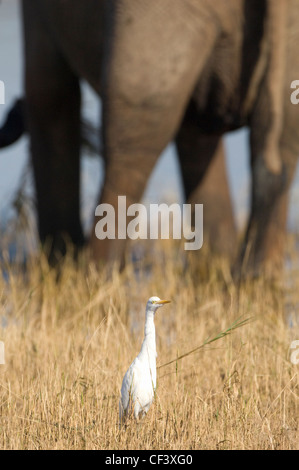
163	301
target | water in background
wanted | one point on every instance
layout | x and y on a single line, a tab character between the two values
165	182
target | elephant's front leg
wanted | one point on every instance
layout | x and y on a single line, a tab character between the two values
53	114
153	67
204	175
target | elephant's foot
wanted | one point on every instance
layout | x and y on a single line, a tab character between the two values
108	253
262	255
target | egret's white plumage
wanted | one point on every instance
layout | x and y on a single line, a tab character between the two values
139	383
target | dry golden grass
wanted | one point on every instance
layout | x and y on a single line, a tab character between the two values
68	345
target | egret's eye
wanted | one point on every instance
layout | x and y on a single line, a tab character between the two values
153	301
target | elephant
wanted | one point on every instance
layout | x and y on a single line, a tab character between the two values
64	42
191	70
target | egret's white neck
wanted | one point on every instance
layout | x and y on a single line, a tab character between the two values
149	328
149	342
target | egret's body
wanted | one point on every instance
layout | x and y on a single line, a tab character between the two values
139	383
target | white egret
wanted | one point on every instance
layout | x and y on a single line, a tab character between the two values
139	383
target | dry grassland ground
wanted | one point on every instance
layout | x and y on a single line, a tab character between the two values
69	343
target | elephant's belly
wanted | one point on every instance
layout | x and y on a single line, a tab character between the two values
217	116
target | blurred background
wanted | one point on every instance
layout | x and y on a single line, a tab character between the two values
164	183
